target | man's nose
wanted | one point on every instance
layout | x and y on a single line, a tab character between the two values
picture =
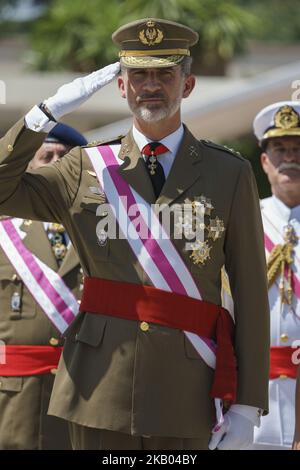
291	154
152	83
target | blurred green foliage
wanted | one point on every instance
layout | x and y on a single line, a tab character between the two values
248	147
5	3
279	20
77	35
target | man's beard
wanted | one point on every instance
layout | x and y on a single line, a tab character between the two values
150	113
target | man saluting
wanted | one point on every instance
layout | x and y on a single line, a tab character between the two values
152	356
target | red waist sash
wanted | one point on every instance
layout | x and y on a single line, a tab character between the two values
146	303
29	360
281	362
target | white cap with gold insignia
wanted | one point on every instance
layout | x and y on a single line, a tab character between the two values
278	120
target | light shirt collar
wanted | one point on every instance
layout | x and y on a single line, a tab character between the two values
286	212
172	141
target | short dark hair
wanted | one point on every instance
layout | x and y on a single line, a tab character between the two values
186	65
264	144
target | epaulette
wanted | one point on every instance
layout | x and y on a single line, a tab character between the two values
111	140
233	152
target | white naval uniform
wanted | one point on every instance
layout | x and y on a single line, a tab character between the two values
277	428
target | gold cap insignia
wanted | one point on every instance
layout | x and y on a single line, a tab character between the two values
286	118
152	35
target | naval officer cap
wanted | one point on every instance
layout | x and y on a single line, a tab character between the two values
153	42
67	135
278	120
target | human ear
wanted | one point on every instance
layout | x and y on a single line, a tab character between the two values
264	160
121	86
189	85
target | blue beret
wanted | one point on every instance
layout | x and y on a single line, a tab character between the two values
66	135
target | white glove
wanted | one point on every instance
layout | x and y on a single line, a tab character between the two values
70	96
237	431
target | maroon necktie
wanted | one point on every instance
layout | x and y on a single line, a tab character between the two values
155	169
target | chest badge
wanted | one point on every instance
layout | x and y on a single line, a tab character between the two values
202	227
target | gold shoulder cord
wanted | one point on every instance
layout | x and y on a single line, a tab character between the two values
280	259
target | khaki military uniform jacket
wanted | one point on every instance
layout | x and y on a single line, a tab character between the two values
24	401
114	375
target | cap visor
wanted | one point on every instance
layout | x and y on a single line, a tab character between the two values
293	131
151	62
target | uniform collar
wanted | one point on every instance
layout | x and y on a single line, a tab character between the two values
286	212
172	141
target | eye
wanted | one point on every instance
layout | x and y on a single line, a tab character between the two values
166	73
48	156
278	150
138	73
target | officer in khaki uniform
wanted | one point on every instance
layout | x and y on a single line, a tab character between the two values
24	400
131	384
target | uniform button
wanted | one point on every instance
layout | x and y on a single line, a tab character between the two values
14	277
0	384
144	326
10	148
283	377
284	337
79	301
53	371
54	341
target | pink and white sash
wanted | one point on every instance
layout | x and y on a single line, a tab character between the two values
155	252
44	284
